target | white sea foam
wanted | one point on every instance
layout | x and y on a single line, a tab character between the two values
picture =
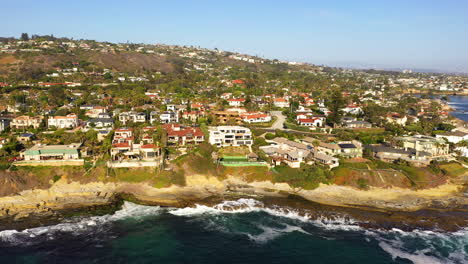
270	233
79	226
397	242
417	257
252	205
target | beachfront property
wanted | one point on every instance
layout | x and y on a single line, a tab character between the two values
179	135
392	154
453	136
223	136
436	147
286	151
325	159
346	149
68	121
51	155
125	153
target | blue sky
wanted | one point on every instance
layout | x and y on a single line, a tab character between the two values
378	33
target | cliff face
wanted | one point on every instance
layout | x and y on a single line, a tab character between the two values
66	194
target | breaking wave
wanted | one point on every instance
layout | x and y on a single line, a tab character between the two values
424	246
417	246
260	224
77	226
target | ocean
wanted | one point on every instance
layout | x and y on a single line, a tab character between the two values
237	231
460	105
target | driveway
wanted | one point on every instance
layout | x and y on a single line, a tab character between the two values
280	118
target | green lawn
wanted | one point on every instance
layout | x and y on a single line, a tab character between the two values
453	169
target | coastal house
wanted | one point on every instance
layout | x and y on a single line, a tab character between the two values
286	151
68	121
126	153
255	117
193	115
51	155
453	136
311	122
169	117
396	118
325	159
25	122
135	117
329	149
236	102
224	117
352	109
25	137
100	123
436	147
392	154
346	149
223	136
357	124
350	149
181	136
281	102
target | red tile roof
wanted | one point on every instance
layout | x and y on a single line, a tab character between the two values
149	146
121	145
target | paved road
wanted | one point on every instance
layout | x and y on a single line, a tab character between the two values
280	118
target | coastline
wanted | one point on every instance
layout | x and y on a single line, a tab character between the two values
65	197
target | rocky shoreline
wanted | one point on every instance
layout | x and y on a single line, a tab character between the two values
38	207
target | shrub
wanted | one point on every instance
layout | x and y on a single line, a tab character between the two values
56	178
270	136
363	184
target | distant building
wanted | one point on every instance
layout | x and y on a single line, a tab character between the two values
169	117
100	123
281	102
236	102
131	116
396	118
25	122
310	122
68	121
256	117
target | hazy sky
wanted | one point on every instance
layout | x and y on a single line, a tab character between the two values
410	33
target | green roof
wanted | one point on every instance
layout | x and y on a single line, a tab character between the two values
51	151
